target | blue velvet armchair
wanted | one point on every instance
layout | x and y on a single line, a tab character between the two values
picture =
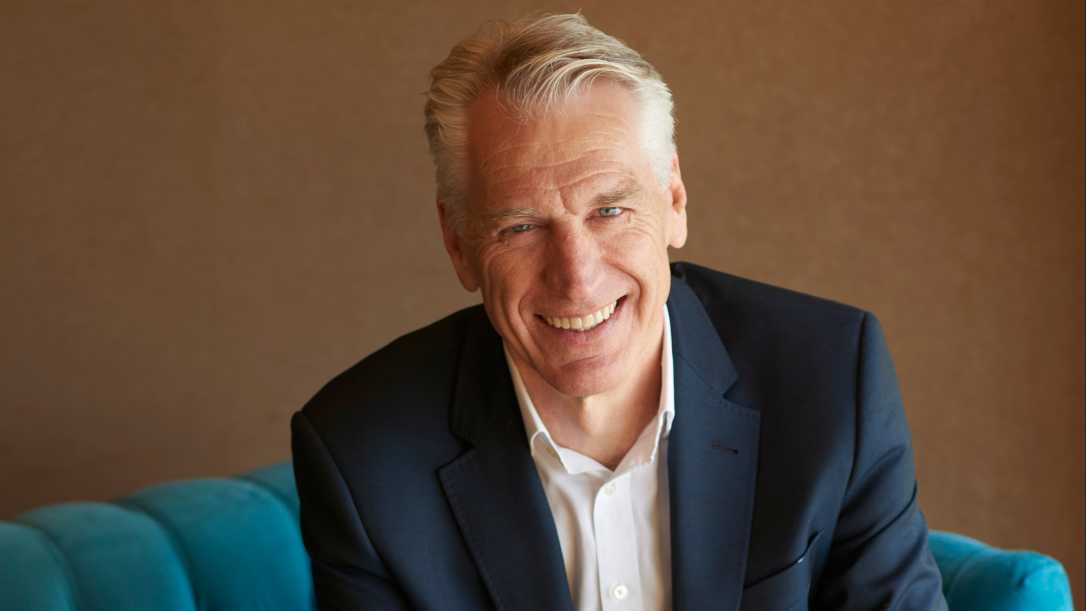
234	545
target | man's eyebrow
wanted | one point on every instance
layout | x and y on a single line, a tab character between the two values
625	190
511	213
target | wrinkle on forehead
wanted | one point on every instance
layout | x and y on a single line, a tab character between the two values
534	151
516	156
534	168
556	175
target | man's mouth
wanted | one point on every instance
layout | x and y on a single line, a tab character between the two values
585	322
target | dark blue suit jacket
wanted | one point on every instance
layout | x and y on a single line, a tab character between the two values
791	471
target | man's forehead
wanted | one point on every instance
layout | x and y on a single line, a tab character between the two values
588	145
515	150
544	170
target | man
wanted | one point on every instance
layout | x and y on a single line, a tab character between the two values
606	431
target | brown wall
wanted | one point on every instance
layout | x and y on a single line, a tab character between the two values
208	210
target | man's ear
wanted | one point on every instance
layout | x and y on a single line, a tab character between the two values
457	249
676	191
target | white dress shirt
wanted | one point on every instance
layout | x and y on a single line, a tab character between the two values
614	526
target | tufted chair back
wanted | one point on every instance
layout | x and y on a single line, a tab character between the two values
228	544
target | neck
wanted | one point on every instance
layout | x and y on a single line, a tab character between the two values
603	426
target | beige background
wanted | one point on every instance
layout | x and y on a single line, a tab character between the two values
207	211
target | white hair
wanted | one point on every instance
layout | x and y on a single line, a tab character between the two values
534	65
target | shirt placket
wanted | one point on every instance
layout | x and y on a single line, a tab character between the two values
616	546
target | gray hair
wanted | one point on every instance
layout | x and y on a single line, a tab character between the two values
535	64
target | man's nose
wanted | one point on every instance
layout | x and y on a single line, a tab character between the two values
573	265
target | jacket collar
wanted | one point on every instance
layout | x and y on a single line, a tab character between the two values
498	500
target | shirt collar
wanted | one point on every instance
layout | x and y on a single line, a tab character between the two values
574	463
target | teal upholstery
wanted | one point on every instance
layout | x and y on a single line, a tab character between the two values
233	544
208	544
976	576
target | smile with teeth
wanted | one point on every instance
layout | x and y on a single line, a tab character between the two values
582	323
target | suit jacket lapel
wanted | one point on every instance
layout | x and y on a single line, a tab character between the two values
494	489
712	464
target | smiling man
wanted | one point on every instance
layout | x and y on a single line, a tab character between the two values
567	241
608	430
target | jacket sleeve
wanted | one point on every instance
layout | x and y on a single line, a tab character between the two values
348	575
879	557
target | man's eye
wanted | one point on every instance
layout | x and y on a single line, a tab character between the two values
611	211
521	228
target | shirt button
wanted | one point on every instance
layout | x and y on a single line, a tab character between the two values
609	488
620	592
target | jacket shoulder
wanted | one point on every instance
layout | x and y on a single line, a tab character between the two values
755	305
784	344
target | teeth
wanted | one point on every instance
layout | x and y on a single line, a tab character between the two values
583	323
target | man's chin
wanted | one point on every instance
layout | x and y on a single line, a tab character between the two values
583	380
